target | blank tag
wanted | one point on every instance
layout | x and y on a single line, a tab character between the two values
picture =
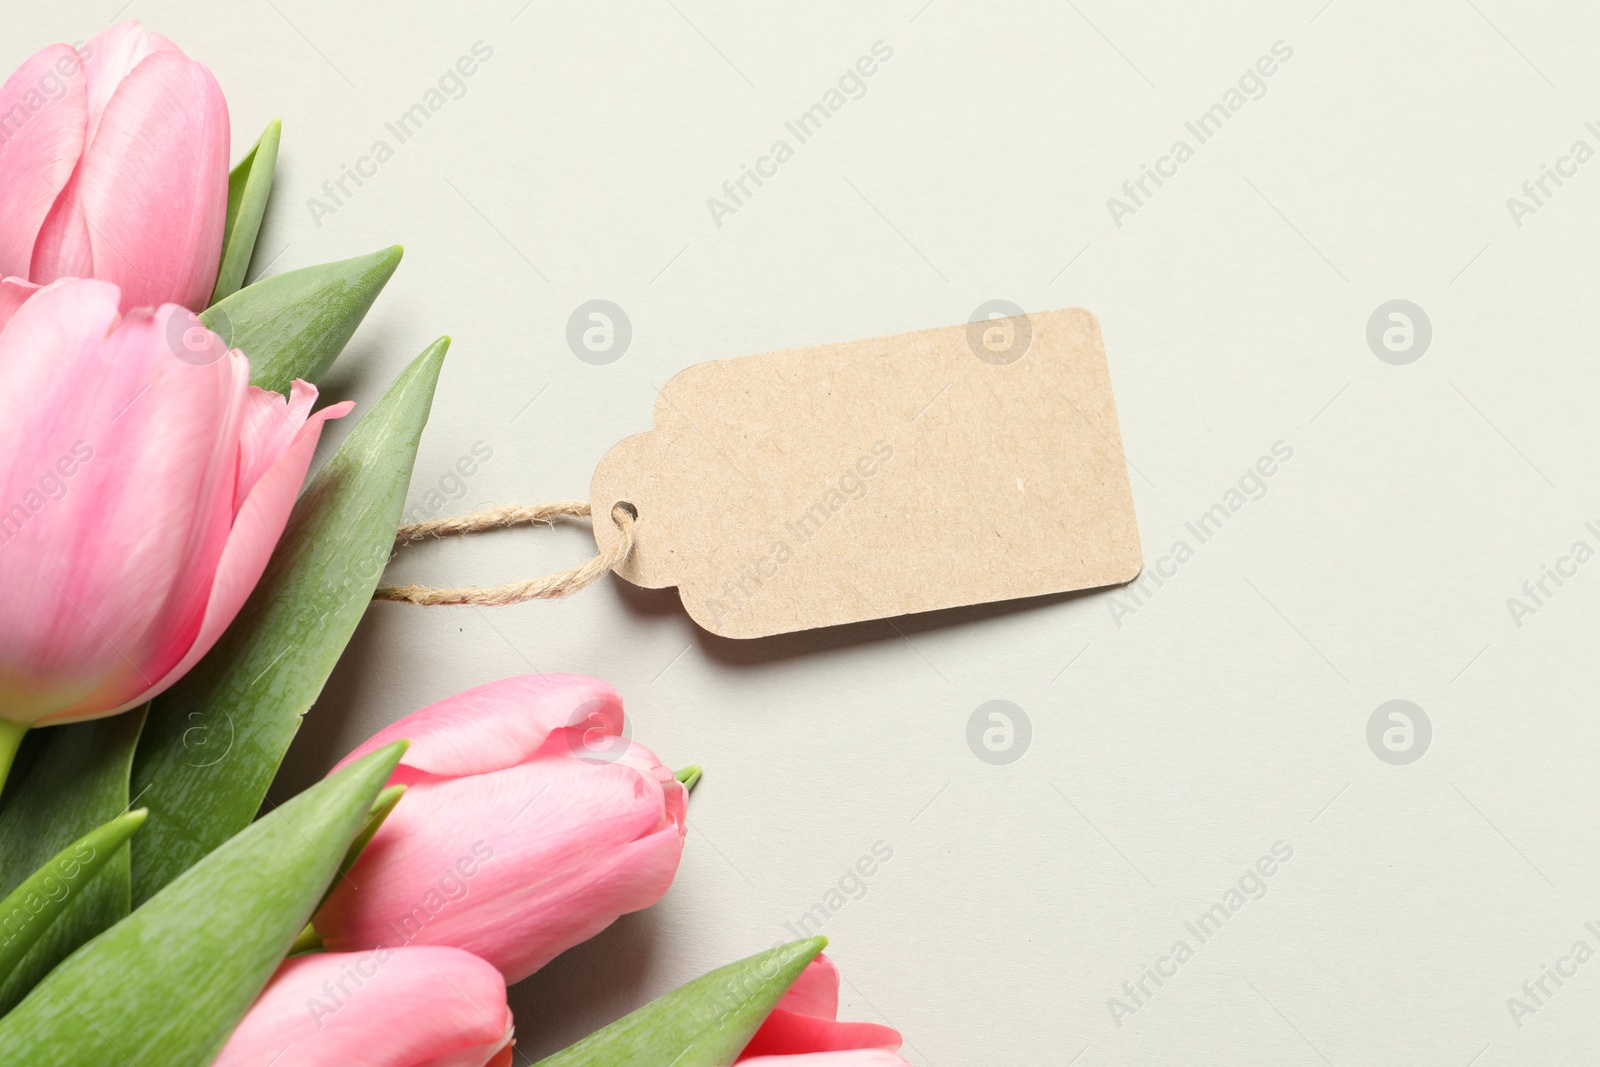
869	479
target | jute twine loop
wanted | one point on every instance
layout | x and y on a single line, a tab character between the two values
549	588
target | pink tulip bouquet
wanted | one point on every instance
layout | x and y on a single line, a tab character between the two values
179	593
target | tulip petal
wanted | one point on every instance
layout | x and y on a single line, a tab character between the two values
41	139
13	291
551	852
500	724
69	320
121	461
109	57
271	422
630	879
787	1033
410	1007
255	532
152	188
816	991
63	248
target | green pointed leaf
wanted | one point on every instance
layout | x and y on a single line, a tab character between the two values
68	780
249	188
705	1023
43	897
214	740
295	324
309	938
168	984
11	738
380	811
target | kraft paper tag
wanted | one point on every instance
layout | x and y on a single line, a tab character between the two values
864	480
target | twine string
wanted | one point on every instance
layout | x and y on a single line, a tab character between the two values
551	587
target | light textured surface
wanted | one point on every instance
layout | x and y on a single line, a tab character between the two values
1172	745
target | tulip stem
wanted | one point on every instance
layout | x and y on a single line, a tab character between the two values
308	941
689	776
11	734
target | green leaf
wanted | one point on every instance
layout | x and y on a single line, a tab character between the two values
244	700
168	984
43	897
309	938
295	324
11	736
68	780
249	188
706	1023
380	811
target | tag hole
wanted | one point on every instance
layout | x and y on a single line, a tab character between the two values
629	508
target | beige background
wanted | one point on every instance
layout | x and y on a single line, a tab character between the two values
1172	745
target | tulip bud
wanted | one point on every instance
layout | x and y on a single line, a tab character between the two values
409	1007
803	1030
529	824
143	485
114	165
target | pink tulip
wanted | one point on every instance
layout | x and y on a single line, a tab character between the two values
143	484
114	165
409	1007
528	825
803	1030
